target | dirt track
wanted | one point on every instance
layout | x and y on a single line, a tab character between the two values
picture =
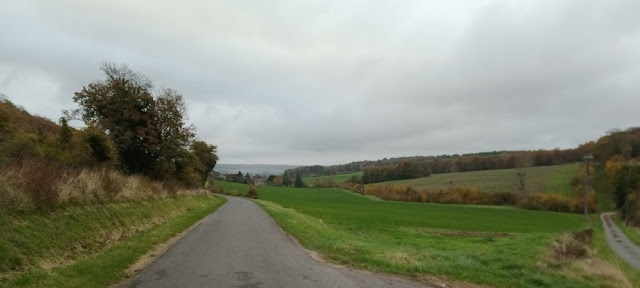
619	242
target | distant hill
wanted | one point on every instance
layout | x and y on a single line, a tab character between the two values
253	169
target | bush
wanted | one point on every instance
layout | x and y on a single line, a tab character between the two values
252	192
567	247
216	189
40	179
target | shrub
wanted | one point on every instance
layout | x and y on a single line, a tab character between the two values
567	247
216	189
252	192
39	179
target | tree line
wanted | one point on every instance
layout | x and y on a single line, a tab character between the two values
403	170
426	165
619	151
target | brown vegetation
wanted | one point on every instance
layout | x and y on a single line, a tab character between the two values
252	192
42	184
471	196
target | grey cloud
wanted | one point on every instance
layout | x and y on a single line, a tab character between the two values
337	81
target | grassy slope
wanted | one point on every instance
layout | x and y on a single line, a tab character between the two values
336	178
100	240
544	179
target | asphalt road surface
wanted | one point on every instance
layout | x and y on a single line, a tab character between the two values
619	242
240	246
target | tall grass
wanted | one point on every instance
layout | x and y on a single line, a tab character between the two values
41	184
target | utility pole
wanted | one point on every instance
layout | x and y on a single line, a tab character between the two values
586	187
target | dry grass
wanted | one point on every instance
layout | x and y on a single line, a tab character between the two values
38	184
567	247
575	259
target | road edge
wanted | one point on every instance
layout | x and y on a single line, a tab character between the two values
157	251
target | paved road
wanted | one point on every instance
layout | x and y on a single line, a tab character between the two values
619	242
240	246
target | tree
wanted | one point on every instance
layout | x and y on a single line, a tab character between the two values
239	177
277	181
102	149
206	154
123	106
615	173
149	134
298	182
247	179
174	135
286	181
64	134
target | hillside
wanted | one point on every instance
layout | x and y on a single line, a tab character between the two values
545	179
79	206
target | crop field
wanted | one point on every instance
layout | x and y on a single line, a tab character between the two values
495	246
336	178
544	179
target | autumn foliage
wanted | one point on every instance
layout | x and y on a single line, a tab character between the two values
471	196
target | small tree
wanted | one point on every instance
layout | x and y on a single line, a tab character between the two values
298	182
286	181
65	134
206	154
277	181
239	177
252	192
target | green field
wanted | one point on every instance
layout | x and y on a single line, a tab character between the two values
544	179
336	178
496	246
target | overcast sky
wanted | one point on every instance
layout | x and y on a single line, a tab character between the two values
330	82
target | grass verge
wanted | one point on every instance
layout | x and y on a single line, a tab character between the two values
603	251
633	233
93	245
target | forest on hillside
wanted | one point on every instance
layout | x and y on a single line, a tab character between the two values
420	166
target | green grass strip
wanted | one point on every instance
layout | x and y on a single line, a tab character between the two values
108	267
633	233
